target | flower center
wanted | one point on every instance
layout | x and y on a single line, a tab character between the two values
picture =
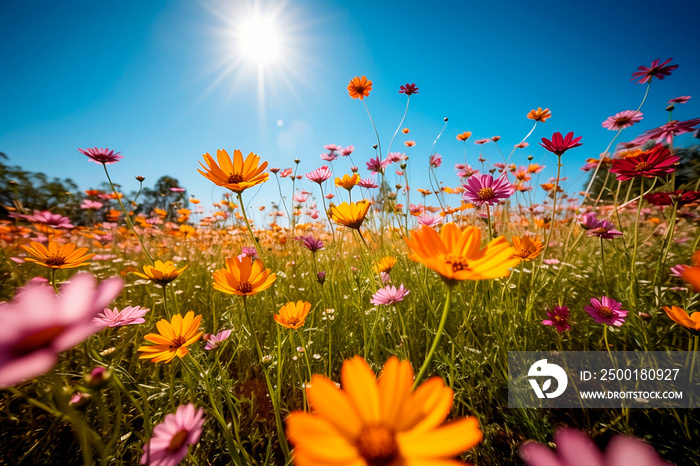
245	287
457	263
605	311
622	120
557	318
178	441
486	193
641	166
235	178
377	445
177	342
55	260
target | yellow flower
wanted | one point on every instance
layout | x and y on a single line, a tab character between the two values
161	273
681	317
347	182
456	256
237	175
244	277
292	315
539	114
385	264
57	256
172	338
351	215
381	422
526	248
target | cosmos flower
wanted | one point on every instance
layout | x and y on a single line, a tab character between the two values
558	145
87	204
347	151
235	174
46	218
310	243
57	256
130	315
347	182
408	89
161	272
622	120
39	324
383	422
677	270
481	141
376	165
657	161
351	215
660	199
526	248
367	183
576	449
656	70
606	311
455	254
464	136
170	440
410	143
332	147
389	295
429	220
243	277
539	114
103	156
385	264
679	100
681	317
172	338
596	227
293	315
319	175
359	87
558	316
465	170
666	132
435	160
483	189
213	341
405	131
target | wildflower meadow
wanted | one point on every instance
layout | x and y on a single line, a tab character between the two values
359	319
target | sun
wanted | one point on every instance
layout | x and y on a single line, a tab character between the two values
259	40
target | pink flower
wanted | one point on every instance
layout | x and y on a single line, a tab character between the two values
214	340
465	170
274	170
600	228
677	270
389	295
46	218
558	318
394	157
622	120
332	147
104	156
87	204
576	449
376	165
408	89
483	189
285	173
347	151
39	324
435	160
481	141
606	311
329	157
558	145
367	183
177	189
115	318
655	70
310	243
170	440
429	220
300	198
667	132
679	100
319	175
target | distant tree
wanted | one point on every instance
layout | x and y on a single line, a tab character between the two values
163	197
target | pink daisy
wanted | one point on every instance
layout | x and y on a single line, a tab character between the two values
667	132
559	144
115	318
389	295
319	175
679	100
347	151
376	165
606	311
483	189
367	183
558	318
408	89
622	120
655	162
435	160
654	71
103	156
214	340
47	218
429	220
172	437
329	157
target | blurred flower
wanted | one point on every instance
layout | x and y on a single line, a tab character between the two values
39	324
286	172
576	449
526	248
367	183
667	131
539	114
465	170
408	89
382	422
57	256
332	147
319	175
376	165
464	136
622	120
692	273
103	156
310	243
483	189
596	227
681	317
606	311
558	145
293	315
172	338
435	160
655	70
130	315
347	151
558	316
429	220
213	341
405	131
455	253
161	272
654	162
679	100
170	440
347	182
351	215
385	264
249	251
410	143
359	87
389	295
243	277
87	204
495	138
680	197
481	141
46	218
677	270
235	174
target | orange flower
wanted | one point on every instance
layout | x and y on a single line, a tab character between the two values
359	87
385	264
526	248
681	317
293	315
692	273
237	174
550	186
539	114
410	143
161	272
464	136
57	256
244	277
348	182
455	253
351	215
424	192
379	422
405	131
172	338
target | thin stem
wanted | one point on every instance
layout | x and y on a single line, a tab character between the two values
554	208
376	133
408	99
436	341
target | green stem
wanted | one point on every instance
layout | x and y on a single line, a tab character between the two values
554	208
436	341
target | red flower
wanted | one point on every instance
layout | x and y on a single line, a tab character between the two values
655	70
409	89
681	197
558	145
657	161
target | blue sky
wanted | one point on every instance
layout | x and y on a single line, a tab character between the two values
163	82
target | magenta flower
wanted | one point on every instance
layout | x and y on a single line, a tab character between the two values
376	165
39	324
667	132
654	71
319	175
429	220
170	440
576	449
103	156
558	318
131	315
596	227
559	144
46	218
661	199
606	311
87	204
248	251
677	270
367	183
483	189
679	100
389	295
213	341
347	151
465	170
435	160
408	89
310	243
657	161
622	120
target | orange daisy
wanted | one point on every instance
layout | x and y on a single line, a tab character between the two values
347	182
681	317
293	315
359	87
57	256
385	264
172	338
527	248
244	277
539	114
351	215
238	174
464	136
161	272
